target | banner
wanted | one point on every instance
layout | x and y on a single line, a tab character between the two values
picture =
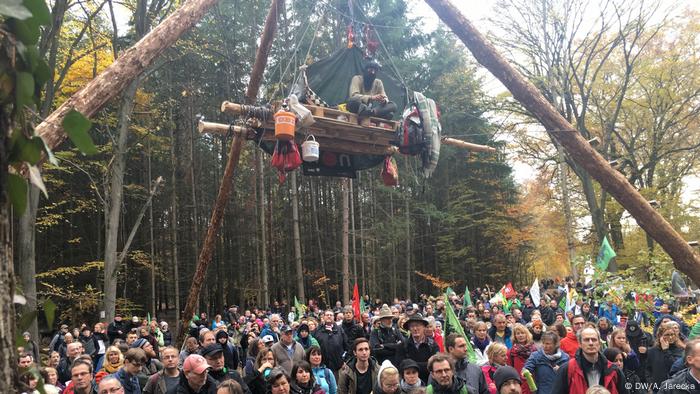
605	254
299	308
466	299
508	291
453	325
356	303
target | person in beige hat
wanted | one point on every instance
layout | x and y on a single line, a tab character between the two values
385	340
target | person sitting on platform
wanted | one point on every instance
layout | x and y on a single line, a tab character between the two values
367	95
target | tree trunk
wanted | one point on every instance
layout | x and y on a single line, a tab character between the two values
174	225
352	230
116	191
408	246
578	148
264	266
26	256
344	185
152	240
568	219
297	239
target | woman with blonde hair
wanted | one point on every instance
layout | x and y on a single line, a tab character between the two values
523	347
114	359
481	342
498	357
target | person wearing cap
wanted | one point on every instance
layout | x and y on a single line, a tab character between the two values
214	355
507	380
386	339
442	377
287	351
367	95
456	346
167	334
409	376
359	374
165	380
151	365
418	347
351	328
127	375
195	378
304	337
589	368
31	346
268	340
59	338
331	339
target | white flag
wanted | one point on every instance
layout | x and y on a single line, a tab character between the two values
535	293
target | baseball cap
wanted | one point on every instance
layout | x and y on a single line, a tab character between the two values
268	339
195	363
211	350
286	328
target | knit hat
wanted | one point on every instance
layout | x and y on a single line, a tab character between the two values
141	342
504	374
221	334
408	364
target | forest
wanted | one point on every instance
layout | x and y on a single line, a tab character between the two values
624	74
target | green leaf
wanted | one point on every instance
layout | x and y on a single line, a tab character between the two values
77	127
17	189
39	11
24	88
24	149
14	9
42	73
27	31
49	311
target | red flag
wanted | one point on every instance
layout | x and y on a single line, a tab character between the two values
356	302
508	291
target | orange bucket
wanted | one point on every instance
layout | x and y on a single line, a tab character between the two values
284	125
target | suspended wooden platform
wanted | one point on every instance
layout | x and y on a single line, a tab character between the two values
335	130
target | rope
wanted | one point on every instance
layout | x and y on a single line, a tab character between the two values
296	49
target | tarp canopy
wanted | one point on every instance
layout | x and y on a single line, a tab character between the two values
330	78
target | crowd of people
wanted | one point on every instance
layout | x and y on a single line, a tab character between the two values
390	348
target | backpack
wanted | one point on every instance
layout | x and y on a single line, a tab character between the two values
411	135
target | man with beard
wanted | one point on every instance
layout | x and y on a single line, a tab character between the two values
444	381
367	95
474	379
386	339
332	340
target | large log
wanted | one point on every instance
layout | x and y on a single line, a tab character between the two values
684	258
110	82
226	186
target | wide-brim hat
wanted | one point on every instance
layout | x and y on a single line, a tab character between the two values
415	318
385	312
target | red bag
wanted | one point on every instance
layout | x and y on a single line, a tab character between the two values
390	173
285	158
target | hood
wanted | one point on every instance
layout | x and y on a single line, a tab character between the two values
633	330
353	360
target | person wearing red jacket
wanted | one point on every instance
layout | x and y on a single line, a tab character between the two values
569	344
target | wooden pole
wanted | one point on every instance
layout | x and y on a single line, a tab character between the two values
226	186
467	145
110	82
684	258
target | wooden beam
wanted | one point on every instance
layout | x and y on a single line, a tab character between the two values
684	258
467	145
226	186
110	82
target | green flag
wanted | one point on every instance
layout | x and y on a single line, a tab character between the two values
605	254
467	299
452	325
363	307
299	307
449	292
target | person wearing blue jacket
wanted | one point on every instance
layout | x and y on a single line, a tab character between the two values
545	362
608	311
324	377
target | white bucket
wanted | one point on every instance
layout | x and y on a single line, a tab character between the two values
309	149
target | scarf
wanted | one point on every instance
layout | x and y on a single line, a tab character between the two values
481	344
522	351
406	388
112	368
537	337
553	357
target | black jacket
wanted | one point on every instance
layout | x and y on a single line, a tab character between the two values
384	343
113	330
680	383
420	354
227	374
333	345
352	331
659	363
256	382
183	386
456	388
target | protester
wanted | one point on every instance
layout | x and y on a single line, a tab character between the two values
588	368
388	380
632	381
303	380
507	380
165	380
470	373
82	378
332	341
323	376
418	347
195	378
257	379
127	375
545	362
443	380
497	354
522	349
359	374
287	350
386	339
665	352
480	343
304	337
